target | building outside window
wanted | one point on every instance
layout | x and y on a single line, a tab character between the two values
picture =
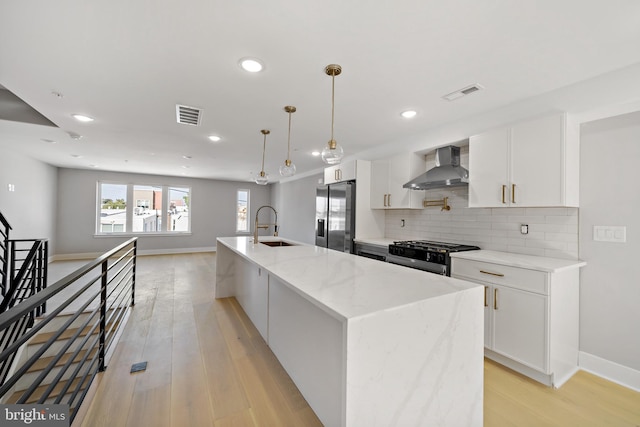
158	209
242	211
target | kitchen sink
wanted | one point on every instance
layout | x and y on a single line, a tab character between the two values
277	243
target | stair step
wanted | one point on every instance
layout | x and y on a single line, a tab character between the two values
43	337
35	396
43	362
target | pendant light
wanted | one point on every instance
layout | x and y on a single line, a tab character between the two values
263	178
288	169
332	154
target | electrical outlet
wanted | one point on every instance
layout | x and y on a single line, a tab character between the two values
524	228
11	187
402	223
609	233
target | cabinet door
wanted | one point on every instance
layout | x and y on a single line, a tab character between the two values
402	169
339	173
252	290
489	169
488	309
537	162
520	326
379	184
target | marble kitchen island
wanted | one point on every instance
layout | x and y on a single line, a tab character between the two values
367	343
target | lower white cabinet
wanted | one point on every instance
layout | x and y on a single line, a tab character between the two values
530	317
252	292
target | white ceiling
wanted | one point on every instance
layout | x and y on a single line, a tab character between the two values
128	63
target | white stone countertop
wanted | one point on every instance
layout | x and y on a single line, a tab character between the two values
345	285
538	263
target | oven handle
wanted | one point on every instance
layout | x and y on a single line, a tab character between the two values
430	267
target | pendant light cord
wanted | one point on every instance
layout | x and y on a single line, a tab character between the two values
333	81
264	147
289	139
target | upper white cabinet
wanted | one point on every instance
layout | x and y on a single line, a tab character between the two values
530	164
341	172
389	175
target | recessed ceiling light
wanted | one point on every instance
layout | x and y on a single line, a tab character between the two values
77	156
74	135
186	157
251	65
315	153
82	118
186	167
214	138
50	141
409	114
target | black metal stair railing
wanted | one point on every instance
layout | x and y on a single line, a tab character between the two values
5	228
104	289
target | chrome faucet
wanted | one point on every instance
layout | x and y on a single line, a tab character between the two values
265	226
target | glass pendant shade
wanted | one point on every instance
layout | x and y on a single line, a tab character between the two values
333	153
263	177
288	169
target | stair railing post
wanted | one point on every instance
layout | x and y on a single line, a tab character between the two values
133	281
103	315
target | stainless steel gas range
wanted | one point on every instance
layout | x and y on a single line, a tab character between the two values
425	255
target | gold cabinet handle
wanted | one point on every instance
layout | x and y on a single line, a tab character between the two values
486	288
493	274
504	188
335	175
385	201
495	298
389	199
513	193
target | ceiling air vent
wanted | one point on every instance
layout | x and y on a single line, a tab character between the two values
188	115
462	92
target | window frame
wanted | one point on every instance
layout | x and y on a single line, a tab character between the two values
247	229
128	226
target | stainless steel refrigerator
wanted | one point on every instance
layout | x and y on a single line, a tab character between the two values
336	216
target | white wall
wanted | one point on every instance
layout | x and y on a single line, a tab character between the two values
295	202
31	208
610	283
212	211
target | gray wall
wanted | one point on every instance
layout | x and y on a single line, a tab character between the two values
30	209
296	205
212	211
609	195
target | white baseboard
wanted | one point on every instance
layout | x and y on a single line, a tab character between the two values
94	255
609	370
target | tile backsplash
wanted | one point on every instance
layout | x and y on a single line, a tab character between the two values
553	232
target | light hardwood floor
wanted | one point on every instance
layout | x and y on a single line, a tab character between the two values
208	366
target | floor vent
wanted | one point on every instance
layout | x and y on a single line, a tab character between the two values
462	92
138	367
188	115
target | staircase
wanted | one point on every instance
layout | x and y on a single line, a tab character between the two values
75	361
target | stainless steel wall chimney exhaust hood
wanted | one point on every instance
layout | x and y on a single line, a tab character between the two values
447	173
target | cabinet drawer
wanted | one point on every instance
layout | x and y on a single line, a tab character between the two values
520	278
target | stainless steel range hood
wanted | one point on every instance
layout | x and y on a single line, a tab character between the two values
447	173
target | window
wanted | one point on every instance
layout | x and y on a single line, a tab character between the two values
158	209
113	208
242	211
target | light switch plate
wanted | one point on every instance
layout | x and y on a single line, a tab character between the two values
610	233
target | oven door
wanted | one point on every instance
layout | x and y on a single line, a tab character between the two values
431	267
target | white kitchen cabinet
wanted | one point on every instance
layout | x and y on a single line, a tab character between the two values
530	164
531	317
389	175
252	292
341	172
